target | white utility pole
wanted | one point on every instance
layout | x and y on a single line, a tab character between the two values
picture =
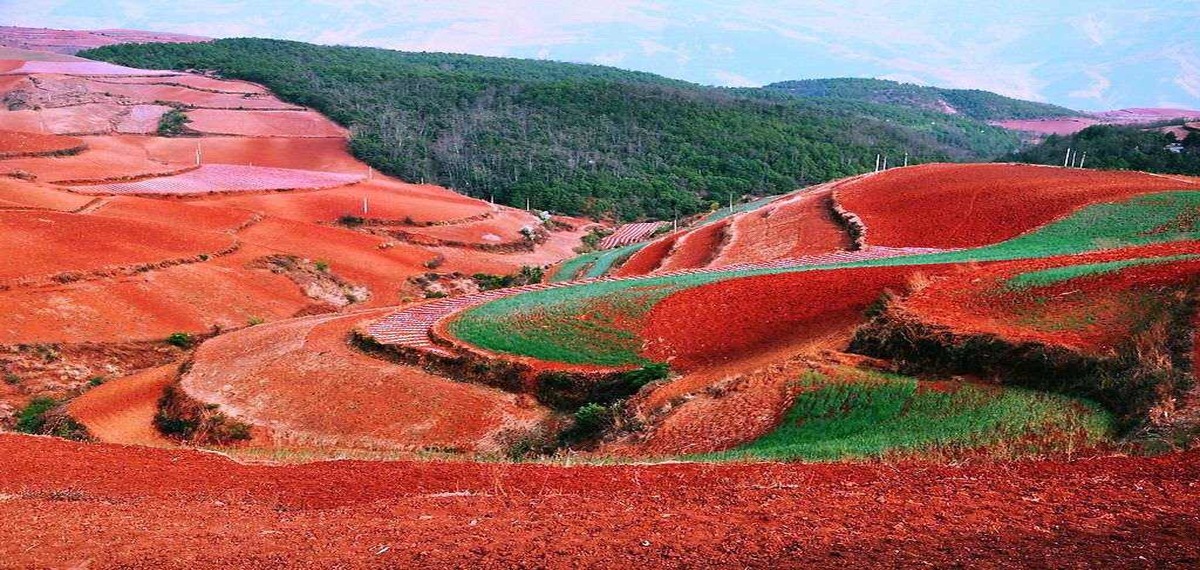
1067	159
876	163
906	159
1082	159
364	205
885	162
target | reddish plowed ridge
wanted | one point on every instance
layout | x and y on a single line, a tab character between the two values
264	123
107	158
1108	512
970	205
148	92
71	41
649	258
122	410
14	144
696	248
302	381
793	227
1089	314
47	243
730	319
92	118
220	178
385	199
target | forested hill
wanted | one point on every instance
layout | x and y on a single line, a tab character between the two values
1121	147
974	103
579	139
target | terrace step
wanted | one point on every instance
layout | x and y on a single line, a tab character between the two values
412	327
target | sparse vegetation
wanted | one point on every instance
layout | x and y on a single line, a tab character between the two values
181	340
173	123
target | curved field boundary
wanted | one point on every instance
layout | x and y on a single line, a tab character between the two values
225	178
414	327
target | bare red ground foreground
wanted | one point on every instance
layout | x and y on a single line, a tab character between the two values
103	506
961	205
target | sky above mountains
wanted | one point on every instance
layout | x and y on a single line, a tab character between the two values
1084	55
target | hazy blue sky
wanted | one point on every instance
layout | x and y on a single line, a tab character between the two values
1086	55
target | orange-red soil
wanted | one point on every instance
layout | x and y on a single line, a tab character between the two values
729	319
1091	314
969	205
385	199
697	248
174	508
302	381
122	410
16	193
47	243
263	123
793	227
70	41
650	257
14	144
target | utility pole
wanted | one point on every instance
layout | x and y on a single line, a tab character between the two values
1067	159
876	163
364	205
885	162
905	158
731	201
197	153
1082	159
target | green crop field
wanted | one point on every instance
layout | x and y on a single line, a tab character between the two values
1140	221
880	415
596	263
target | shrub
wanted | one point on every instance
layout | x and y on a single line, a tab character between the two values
32	418
12	379
322	265
591	419
180	339
173	123
351	221
95	381
252	321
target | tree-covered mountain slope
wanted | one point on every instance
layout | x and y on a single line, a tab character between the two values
579	139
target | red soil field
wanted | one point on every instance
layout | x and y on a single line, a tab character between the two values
141	119
48	243
32	144
649	258
793	227
263	123
107	158
386	200
148	91
122	410
95	118
177	508
195	216
16	193
697	248
730	319
302	381
352	255
326	154
502	228
219	178
151	305
188	80
1088	314
970	205
71	41
87	68
1060	127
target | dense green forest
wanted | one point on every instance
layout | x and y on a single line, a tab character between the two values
579	139
1117	147
974	103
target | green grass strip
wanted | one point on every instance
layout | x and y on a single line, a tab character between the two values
1056	275
887	414
1096	227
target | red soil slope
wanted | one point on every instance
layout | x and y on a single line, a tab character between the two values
797	226
1090	314
122	410
50	242
169	508
729	319
16	193
650	257
223	178
968	205
14	144
264	123
301	381
697	248
71	41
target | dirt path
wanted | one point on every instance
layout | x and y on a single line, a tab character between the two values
122	410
